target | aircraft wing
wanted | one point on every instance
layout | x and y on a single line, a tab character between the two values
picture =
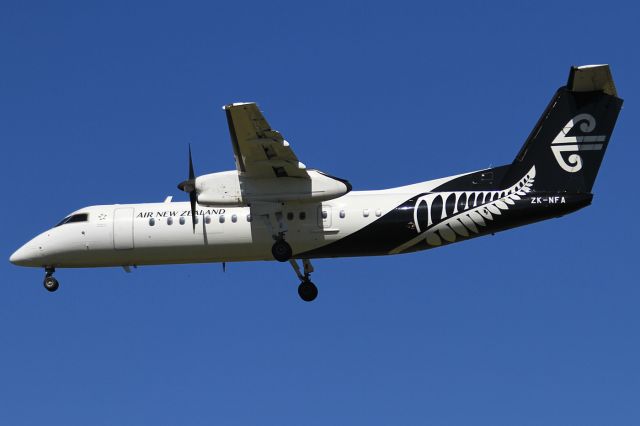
260	151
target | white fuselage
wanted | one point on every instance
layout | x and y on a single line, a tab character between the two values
162	233
360	223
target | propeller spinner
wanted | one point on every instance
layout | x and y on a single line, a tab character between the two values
189	186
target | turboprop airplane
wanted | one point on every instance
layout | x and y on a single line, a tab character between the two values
273	207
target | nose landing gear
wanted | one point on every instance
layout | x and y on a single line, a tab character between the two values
50	283
306	290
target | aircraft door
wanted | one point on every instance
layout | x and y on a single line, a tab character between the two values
324	216
123	229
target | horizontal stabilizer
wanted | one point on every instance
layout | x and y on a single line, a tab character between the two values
592	78
569	141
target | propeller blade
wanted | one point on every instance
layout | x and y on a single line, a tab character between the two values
193	198
192	174
189	186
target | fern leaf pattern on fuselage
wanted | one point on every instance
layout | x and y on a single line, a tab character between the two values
450	215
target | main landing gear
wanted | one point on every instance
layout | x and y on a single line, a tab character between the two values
276	223
50	283
281	250
306	290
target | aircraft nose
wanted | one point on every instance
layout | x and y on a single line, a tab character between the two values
24	256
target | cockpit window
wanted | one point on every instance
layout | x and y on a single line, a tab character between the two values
80	217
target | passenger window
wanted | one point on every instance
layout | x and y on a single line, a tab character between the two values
248	218
302	215
169	221
152	222
181	220
195	219
221	218
234	218
324	214
378	213
207	219
342	214
365	212
290	216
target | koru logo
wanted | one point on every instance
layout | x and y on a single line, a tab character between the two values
563	143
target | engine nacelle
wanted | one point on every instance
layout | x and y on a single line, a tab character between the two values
229	188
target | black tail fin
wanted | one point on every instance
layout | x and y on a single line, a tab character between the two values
568	143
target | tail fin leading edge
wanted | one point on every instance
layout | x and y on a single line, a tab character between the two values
569	141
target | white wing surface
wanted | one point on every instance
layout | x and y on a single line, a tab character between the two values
260	151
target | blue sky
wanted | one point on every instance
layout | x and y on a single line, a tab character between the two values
538	325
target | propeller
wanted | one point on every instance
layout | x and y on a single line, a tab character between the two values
189	186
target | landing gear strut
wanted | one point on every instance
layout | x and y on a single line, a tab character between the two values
50	283
306	290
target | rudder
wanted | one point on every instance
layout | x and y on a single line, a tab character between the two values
568	143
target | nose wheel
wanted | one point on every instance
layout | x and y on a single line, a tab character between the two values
306	290
50	283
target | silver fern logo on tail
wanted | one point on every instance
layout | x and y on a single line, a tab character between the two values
472	210
563	143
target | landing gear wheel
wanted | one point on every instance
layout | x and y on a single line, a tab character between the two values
50	283
307	291
281	251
